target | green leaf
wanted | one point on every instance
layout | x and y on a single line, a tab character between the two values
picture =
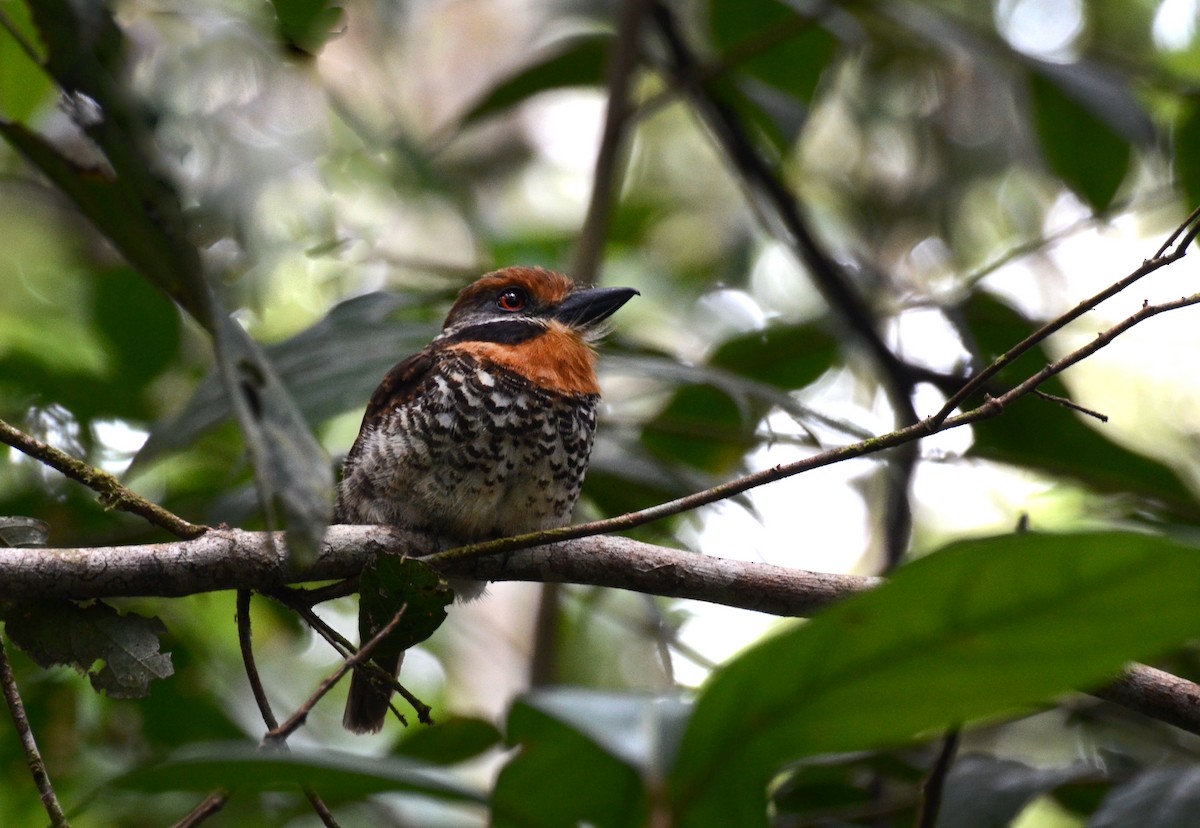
60	632
242	767
995	328
307	25
561	776
1082	149
710	425
1041	435
781	47
642	731
325	368
389	582
292	471
1163	797
703	427
24	87
138	324
811	791
984	791
983	628
1187	150
777	59
450	742
789	357
578	61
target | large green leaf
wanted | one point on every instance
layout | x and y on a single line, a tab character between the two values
578	61
24	87
243	767
703	427
1187	150
61	632
449	742
777	45
1081	148
711	425
1044	436
985	791
983	628
562	776
786	356
775	59
333	365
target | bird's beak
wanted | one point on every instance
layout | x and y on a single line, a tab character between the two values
583	308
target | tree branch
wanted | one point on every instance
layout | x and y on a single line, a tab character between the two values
231	558
278	734
607	173
1164	256
16	708
112	494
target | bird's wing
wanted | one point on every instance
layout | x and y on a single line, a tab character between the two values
399	385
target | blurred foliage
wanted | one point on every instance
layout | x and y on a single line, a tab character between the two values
320	178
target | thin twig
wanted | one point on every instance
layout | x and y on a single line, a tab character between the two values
211	805
320	808
1161	259
1156	198
1190	221
767	189
247	647
299	596
1071	404
335	639
934	786
346	648
607	174
112	494
33	757
246	644
280	733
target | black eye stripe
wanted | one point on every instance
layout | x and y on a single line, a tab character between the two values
505	332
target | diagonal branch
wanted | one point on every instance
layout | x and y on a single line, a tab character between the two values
767	191
279	733
1173	249
16	708
112	494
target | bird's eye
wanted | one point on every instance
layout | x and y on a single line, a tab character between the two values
512	299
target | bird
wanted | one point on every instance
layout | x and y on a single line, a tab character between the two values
485	433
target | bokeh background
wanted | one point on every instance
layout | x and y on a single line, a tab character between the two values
972	169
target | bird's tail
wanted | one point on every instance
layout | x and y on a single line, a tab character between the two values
367	704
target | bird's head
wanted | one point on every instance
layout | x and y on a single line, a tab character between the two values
519	303
536	322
